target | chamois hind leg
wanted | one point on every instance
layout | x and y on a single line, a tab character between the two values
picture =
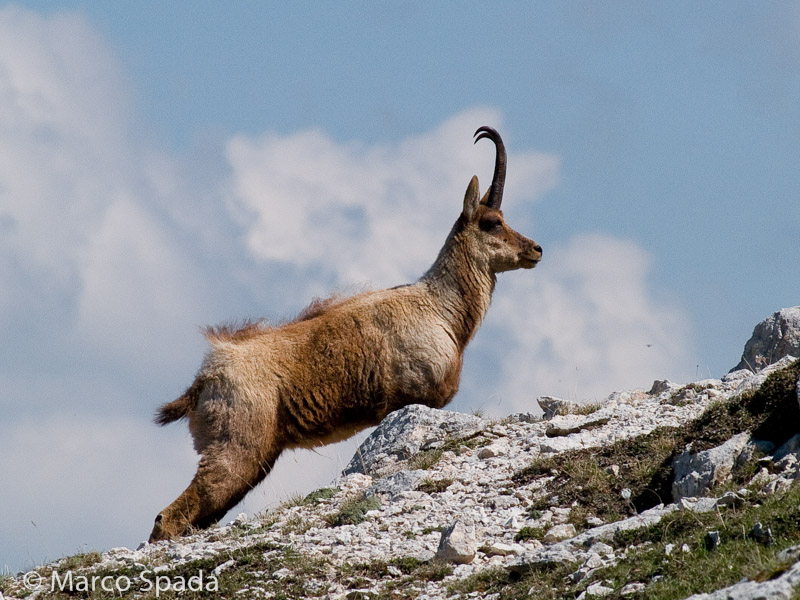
224	476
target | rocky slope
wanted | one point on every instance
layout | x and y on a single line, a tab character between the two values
679	491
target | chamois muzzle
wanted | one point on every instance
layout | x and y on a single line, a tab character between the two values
499	179
530	255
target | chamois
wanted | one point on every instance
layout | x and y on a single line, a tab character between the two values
342	365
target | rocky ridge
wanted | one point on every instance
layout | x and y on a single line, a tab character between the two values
437	504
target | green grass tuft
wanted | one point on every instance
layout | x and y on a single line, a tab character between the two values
353	511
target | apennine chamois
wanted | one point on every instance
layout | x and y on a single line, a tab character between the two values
342	365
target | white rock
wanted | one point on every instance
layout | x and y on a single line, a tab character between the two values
457	543
602	549
598	590
501	549
558	533
405	432
552	406
697	472
593	562
632	588
223	567
773	338
544	558
489	452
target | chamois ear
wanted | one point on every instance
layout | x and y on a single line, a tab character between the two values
471	198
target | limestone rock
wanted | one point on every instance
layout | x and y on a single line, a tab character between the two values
773	338
542	559
457	544
501	549
552	406
697	472
780	588
558	533
407	431
397	483
597	590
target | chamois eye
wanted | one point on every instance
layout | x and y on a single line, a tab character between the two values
490	224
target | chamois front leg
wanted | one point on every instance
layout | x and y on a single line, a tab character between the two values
224	476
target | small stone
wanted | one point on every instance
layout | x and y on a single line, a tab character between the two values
598	590
761	478
761	534
593	562
613	470
487	452
501	549
602	549
457	543
394	571
668	549
730	499
632	588
660	386
552	406
594	522
789	555
559	533
712	540
698	505
512	523
343	537
541	559
223	567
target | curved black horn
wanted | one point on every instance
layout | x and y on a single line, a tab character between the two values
499	179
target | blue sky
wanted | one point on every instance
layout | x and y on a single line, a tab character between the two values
169	165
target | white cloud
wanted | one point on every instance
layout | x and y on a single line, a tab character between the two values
137	284
89	243
62	138
368	214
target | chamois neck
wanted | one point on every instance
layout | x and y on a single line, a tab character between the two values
462	283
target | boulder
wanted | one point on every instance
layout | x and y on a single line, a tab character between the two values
773	338
405	432
697	472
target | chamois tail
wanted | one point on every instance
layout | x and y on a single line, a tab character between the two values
177	409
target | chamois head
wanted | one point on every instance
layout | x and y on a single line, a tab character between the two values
503	248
